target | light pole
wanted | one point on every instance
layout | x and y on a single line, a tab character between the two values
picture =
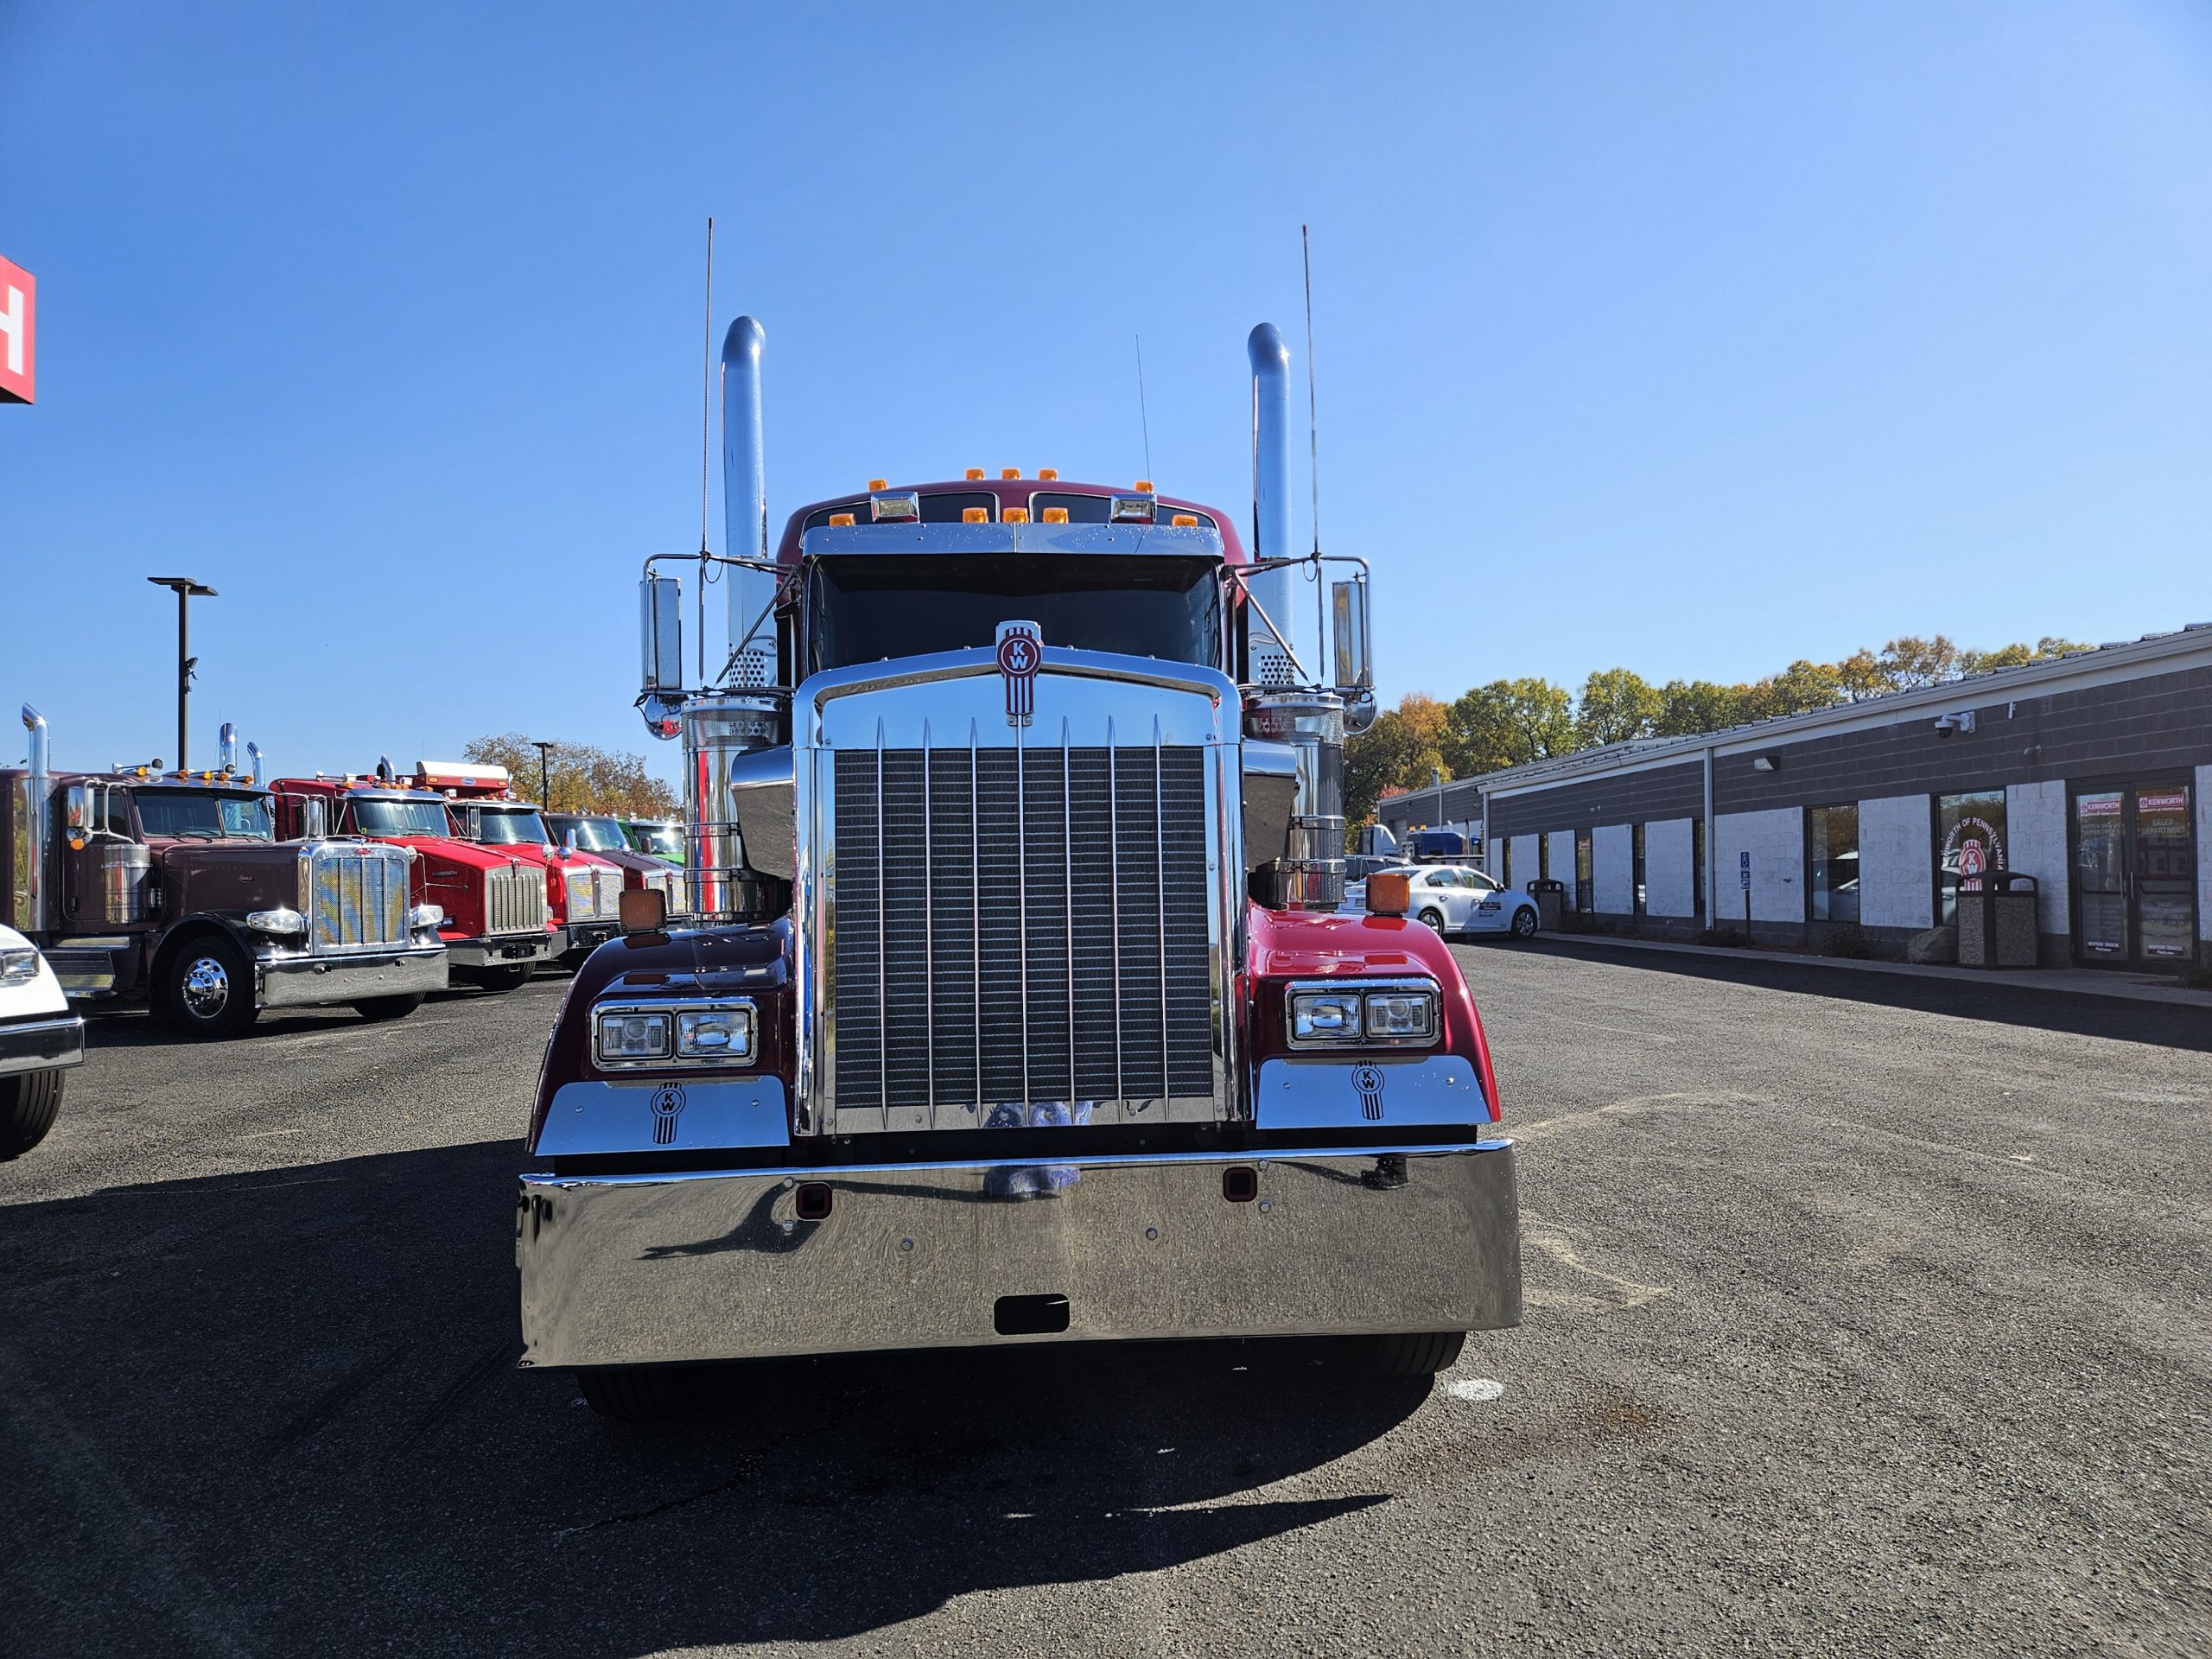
544	773
186	590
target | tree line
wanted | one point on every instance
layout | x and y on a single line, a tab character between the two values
578	777
1510	723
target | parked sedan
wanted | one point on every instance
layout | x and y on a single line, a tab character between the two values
1457	899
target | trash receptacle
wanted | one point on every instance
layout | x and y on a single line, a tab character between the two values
1551	902
1997	921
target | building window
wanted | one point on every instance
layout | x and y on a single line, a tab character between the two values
1585	885
1832	861
1635	862
1969	839
1697	869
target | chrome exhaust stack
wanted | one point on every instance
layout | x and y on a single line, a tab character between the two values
34	827
227	748
745	507
1270	660
260	770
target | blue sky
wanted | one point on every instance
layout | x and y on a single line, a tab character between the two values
1691	338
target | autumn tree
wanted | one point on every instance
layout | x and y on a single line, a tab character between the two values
581	778
1508	723
1404	749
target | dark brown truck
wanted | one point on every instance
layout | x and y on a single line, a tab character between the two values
171	889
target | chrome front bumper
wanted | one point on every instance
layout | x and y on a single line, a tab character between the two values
501	950
311	981
42	1045
642	1268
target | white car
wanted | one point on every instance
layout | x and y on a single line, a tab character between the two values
1457	899
39	1040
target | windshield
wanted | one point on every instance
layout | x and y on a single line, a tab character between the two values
593	835
400	818
657	838
504	828
866	609
202	814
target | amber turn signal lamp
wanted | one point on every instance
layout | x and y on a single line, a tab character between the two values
643	910
1184	521
1056	515
1014	516
975	515
841	520
1388	894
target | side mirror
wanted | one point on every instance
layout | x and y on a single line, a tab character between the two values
472	820
660	616
316	811
571	840
76	809
1355	659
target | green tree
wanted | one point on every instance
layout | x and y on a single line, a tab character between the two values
1508	723
1799	688
582	777
1689	707
1616	704
1909	663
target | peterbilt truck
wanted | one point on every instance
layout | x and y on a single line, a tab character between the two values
496	928
604	835
583	891
172	889
1015	1008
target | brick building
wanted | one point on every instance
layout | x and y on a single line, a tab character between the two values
2089	772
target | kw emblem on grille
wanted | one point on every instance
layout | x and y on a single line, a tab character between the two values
668	1105
1021	653
1368	1079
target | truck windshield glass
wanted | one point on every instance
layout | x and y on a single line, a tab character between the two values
512	828
400	817
660	839
865	609
593	835
202	814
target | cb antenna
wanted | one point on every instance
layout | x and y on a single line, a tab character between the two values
706	444
1312	411
1143	420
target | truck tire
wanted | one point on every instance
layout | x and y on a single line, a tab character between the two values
1415	1353
388	1008
640	1394
507	976
27	1105
206	989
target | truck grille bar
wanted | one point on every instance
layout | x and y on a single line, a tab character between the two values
359	896
514	900
1020	928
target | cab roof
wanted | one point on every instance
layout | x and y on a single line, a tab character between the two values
945	502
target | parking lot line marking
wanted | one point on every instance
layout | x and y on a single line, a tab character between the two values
1476	1390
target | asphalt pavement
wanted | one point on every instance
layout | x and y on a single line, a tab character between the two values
1863	1315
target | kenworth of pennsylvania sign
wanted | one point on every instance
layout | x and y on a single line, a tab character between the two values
18	334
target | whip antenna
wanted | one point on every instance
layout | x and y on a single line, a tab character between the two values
1143	420
706	444
1312	413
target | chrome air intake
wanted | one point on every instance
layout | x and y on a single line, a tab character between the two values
1310	875
728	757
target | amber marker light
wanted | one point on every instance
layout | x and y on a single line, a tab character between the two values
841	520
974	473
1388	894
1009	472
879	483
1145	484
1014	516
975	515
1048	474
1056	515
1184	521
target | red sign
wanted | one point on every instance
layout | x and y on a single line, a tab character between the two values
18	334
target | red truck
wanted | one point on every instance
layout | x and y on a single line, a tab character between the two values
497	925
583	892
1017	1007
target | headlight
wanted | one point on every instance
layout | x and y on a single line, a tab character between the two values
18	964
426	916
631	1038
279	920
715	1033
1383	1013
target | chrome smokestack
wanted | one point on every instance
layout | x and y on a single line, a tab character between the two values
260	769
744	506
1276	590
226	748
35	821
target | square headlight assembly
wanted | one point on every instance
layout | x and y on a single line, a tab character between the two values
632	1037
1324	1017
715	1033
1401	1016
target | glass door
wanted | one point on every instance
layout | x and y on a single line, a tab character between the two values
2135	876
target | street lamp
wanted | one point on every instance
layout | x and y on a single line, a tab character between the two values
186	590
544	773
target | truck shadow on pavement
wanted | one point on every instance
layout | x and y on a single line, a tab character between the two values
278	1412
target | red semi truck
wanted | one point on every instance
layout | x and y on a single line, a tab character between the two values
497	925
1017	1006
583	892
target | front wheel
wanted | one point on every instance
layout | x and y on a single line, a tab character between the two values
1432	920
1524	923
388	1008
206	989
27	1105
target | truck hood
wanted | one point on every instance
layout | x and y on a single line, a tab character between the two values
468	855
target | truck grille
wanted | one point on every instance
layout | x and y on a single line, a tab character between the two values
514	900
1018	929
359	896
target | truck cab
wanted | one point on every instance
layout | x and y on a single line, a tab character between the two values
659	838
583	892
173	890
497	925
604	835
1016	1006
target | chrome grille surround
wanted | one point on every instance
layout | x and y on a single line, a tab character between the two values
356	893
955	991
514	900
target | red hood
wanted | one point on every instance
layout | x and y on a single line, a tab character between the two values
467	854
537	853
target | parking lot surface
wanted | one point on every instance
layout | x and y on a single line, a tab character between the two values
1863	1315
